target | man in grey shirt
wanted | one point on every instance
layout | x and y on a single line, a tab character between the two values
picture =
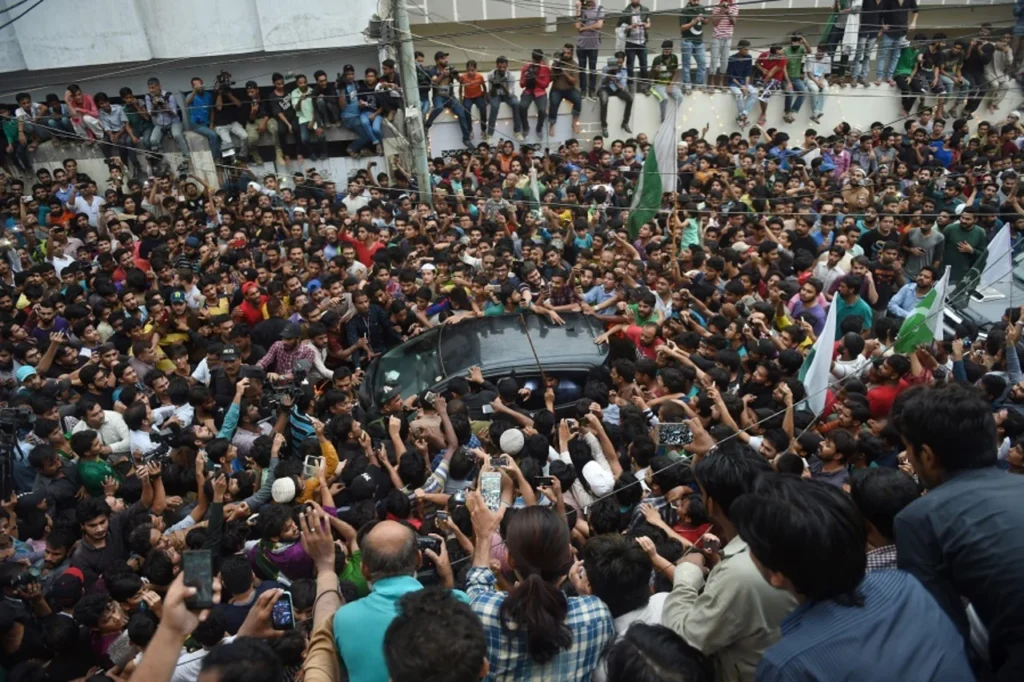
921	246
588	42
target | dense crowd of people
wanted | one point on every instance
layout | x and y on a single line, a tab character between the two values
191	380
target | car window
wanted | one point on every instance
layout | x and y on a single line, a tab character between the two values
413	367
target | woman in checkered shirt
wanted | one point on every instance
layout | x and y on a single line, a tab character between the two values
534	631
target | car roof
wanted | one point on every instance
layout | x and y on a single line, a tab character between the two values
496	342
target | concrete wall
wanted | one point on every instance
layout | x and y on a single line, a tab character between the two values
859	107
190	28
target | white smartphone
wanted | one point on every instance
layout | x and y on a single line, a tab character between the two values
490	489
311	466
486	409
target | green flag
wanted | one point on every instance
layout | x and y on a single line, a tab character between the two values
659	173
924	324
647	198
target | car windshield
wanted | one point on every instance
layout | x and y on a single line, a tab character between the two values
413	367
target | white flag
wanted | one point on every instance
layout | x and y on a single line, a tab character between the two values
999	263
818	364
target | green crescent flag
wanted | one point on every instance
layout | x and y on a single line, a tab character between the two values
924	324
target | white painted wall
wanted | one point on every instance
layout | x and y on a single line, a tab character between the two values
193	28
11	58
313	23
62	33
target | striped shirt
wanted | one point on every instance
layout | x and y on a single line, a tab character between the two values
722	13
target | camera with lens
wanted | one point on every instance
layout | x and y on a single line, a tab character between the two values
223	82
300	374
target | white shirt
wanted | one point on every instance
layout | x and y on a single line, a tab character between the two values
92	210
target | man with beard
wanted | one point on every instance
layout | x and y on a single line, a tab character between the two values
47	321
279	362
806	302
645	338
56	558
906	299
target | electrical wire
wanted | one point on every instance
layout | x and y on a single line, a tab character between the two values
14	19
832	387
14	6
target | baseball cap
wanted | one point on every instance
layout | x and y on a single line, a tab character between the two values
25	372
612	61
178	297
229	354
314	286
291	331
439	54
387	394
193	242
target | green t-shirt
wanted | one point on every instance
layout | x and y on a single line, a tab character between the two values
688	14
641	321
905	64
664	68
354	574
93	473
794	61
959	263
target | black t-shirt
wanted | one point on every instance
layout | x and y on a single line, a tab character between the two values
230	113
873	240
93	562
979	58
931	60
805	243
255	110
282	104
885	283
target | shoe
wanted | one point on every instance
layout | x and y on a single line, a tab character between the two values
625	126
520	137
604	132
540	133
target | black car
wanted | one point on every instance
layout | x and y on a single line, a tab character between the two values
499	345
981	308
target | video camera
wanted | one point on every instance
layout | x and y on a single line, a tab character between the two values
300	381
12	420
223	81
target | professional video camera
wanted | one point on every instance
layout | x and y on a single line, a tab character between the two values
223	81
12	420
300	382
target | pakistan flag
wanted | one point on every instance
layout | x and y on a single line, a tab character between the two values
924	324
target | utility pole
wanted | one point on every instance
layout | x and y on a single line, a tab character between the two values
413	114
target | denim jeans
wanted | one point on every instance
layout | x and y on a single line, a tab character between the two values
719	54
695	49
602	96
525	100
59	125
953	90
795	101
513	102
573	95
441	102
312	142
424	105
19	153
176	132
481	104
211	136
865	42
589	74
374	126
38	131
665	90
121	147
360	127
818	96
746	98
888	55
637	52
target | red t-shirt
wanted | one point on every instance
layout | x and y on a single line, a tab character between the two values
250	313
650	352
881	398
769	63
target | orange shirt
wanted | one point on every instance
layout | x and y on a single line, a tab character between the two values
472	85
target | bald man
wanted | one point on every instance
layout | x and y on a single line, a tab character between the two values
390	559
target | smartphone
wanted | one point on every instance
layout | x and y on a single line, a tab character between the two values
490	489
198	567
497	461
543	481
282	617
433	544
487	409
311	466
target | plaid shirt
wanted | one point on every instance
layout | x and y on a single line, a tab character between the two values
883	557
588	618
282	361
